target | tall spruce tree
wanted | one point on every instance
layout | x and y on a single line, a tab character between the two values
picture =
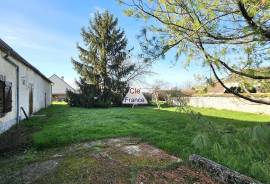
102	65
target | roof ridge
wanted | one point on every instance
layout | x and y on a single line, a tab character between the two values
6	48
62	80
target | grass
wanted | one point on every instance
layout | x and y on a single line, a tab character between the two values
238	140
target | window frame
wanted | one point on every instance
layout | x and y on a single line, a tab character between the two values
6	109
8	101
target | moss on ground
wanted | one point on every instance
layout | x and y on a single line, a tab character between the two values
94	162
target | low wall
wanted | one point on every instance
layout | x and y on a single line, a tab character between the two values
230	103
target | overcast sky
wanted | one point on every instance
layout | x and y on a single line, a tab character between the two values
45	33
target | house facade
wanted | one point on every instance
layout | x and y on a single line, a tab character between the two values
59	88
23	89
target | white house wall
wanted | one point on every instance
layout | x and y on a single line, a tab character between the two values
9	71
27	78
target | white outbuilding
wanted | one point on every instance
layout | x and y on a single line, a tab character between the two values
59	88
23	88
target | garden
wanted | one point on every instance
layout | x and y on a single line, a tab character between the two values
237	140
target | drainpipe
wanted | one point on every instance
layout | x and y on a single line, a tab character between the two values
17	84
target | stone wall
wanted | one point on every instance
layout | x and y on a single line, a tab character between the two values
229	103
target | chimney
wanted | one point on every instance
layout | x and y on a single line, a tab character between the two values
62	77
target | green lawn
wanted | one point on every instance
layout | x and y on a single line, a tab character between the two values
240	141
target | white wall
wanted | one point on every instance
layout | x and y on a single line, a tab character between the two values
9	72
229	103
31	78
59	85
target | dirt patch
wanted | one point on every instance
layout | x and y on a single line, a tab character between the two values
9	142
112	161
149	151
181	174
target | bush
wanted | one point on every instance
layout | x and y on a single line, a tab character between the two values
234	89
79	100
91	96
87	97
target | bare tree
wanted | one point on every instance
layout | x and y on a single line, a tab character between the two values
141	69
156	90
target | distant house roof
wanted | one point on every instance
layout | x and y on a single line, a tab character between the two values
216	88
59	85
188	91
6	48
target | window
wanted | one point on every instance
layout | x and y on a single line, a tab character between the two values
8	97
5	97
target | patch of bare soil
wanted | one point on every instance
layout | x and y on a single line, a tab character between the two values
181	174
111	161
9	142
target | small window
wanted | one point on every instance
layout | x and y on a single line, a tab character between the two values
8	97
5	97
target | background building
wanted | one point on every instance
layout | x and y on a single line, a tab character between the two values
59	88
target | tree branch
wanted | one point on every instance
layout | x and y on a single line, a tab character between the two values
259	77
249	19
224	86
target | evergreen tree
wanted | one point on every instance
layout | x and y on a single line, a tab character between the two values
102	64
